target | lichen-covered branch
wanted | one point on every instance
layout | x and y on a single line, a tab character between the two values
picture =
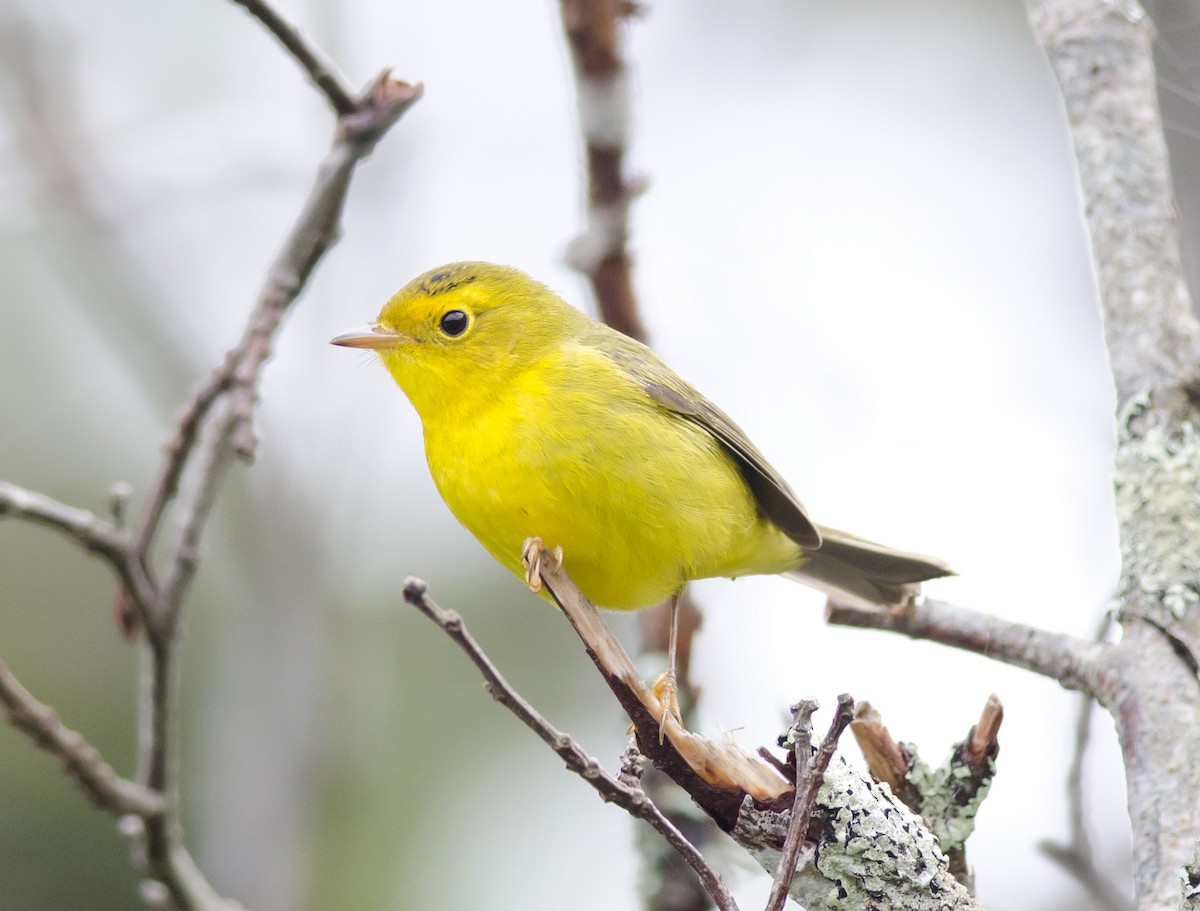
870	852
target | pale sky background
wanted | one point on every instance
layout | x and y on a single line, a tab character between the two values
860	236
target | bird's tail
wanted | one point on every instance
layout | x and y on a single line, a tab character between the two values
864	573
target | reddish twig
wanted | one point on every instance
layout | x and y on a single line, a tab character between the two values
602	87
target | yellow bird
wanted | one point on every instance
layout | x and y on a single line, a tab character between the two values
541	422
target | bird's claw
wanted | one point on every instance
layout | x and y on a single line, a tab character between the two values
666	691
531	556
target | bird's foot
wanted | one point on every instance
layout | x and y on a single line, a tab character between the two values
531	556
666	691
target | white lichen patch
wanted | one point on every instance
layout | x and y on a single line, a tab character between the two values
874	853
941	790
1157	483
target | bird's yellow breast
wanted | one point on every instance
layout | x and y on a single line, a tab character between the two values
572	451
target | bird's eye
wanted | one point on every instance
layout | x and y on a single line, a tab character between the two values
454	323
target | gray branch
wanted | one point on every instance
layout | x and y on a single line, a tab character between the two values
1075	663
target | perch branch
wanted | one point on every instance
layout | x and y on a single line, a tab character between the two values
869	845
611	789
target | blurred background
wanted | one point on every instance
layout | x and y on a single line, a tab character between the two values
861	236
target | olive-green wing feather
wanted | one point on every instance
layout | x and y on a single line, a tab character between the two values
775	499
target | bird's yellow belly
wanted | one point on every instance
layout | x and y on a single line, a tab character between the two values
639	506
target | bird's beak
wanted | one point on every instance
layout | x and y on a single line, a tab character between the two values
370	336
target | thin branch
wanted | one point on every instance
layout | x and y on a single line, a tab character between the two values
611	789
1083	868
89	531
1073	662
205	446
810	775
320	71
315	231
210	456
1077	855
81	762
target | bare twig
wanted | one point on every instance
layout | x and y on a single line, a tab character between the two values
88	530
621	791
82	762
237	381
810	775
320	71
603	97
213	429
1076	854
1083	868
1072	661
315	231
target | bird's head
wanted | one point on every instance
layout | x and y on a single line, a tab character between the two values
458	330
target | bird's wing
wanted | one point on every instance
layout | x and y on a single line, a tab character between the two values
775	499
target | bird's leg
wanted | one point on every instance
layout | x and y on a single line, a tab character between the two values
666	687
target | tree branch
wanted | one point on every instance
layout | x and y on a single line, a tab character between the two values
321	72
90	532
1073	662
213	429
